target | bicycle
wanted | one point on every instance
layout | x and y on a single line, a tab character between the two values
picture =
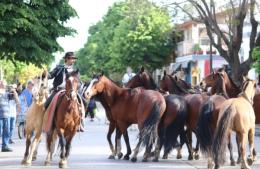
21	126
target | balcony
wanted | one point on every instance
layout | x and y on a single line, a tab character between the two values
184	48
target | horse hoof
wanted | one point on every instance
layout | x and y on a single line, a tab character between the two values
179	156
26	163
126	157
62	165
166	157
34	158
197	156
233	163
23	162
155	160
47	163
112	157
145	160
120	155
134	159
250	161
190	157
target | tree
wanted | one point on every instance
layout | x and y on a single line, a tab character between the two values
18	71
228	42
132	33
29	29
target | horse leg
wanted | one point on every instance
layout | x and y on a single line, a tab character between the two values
244	137
111	129
36	151
147	153
62	142
230	147
136	151
238	152
159	144
129	151
28	143
196	152
189	145
33	146
252	156
118	143
49	142
210	163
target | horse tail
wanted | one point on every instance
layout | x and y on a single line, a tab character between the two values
148	133
175	129
221	136
203	131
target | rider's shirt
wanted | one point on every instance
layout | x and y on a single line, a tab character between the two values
68	69
127	77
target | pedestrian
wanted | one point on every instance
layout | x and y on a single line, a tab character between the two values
128	75
5	95
14	108
91	109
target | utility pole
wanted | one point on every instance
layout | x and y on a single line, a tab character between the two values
210	47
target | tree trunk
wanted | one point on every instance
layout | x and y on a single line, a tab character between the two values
238	71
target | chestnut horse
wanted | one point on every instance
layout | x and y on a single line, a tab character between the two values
130	106
236	114
66	118
194	102
173	121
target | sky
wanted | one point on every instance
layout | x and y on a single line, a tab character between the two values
89	12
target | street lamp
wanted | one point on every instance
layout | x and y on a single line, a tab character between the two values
210	46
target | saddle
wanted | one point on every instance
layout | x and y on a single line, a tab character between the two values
50	111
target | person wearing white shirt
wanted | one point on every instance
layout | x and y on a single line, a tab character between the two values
127	76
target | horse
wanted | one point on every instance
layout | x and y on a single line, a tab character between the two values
236	114
34	120
67	118
232	90
173	121
129	106
194	101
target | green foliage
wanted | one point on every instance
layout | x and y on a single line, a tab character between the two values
256	57
29	29
18	71
132	33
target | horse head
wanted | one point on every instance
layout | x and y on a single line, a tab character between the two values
72	81
142	79
165	82
248	88
96	85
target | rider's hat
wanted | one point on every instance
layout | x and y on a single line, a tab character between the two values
70	55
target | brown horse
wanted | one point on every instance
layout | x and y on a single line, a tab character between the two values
66	118
236	114
172	123
194	101
34	120
129	106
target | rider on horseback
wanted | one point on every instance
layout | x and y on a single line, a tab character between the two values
59	75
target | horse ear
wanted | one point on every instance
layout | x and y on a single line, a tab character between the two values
176	78
77	71
102	73
244	78
164	73
142	69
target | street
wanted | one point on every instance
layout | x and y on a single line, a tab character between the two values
90	150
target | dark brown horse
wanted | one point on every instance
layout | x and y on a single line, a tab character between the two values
130	106
194	102
66	118
172	123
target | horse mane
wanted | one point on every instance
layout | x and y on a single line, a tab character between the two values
152	82
177	86
220	87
